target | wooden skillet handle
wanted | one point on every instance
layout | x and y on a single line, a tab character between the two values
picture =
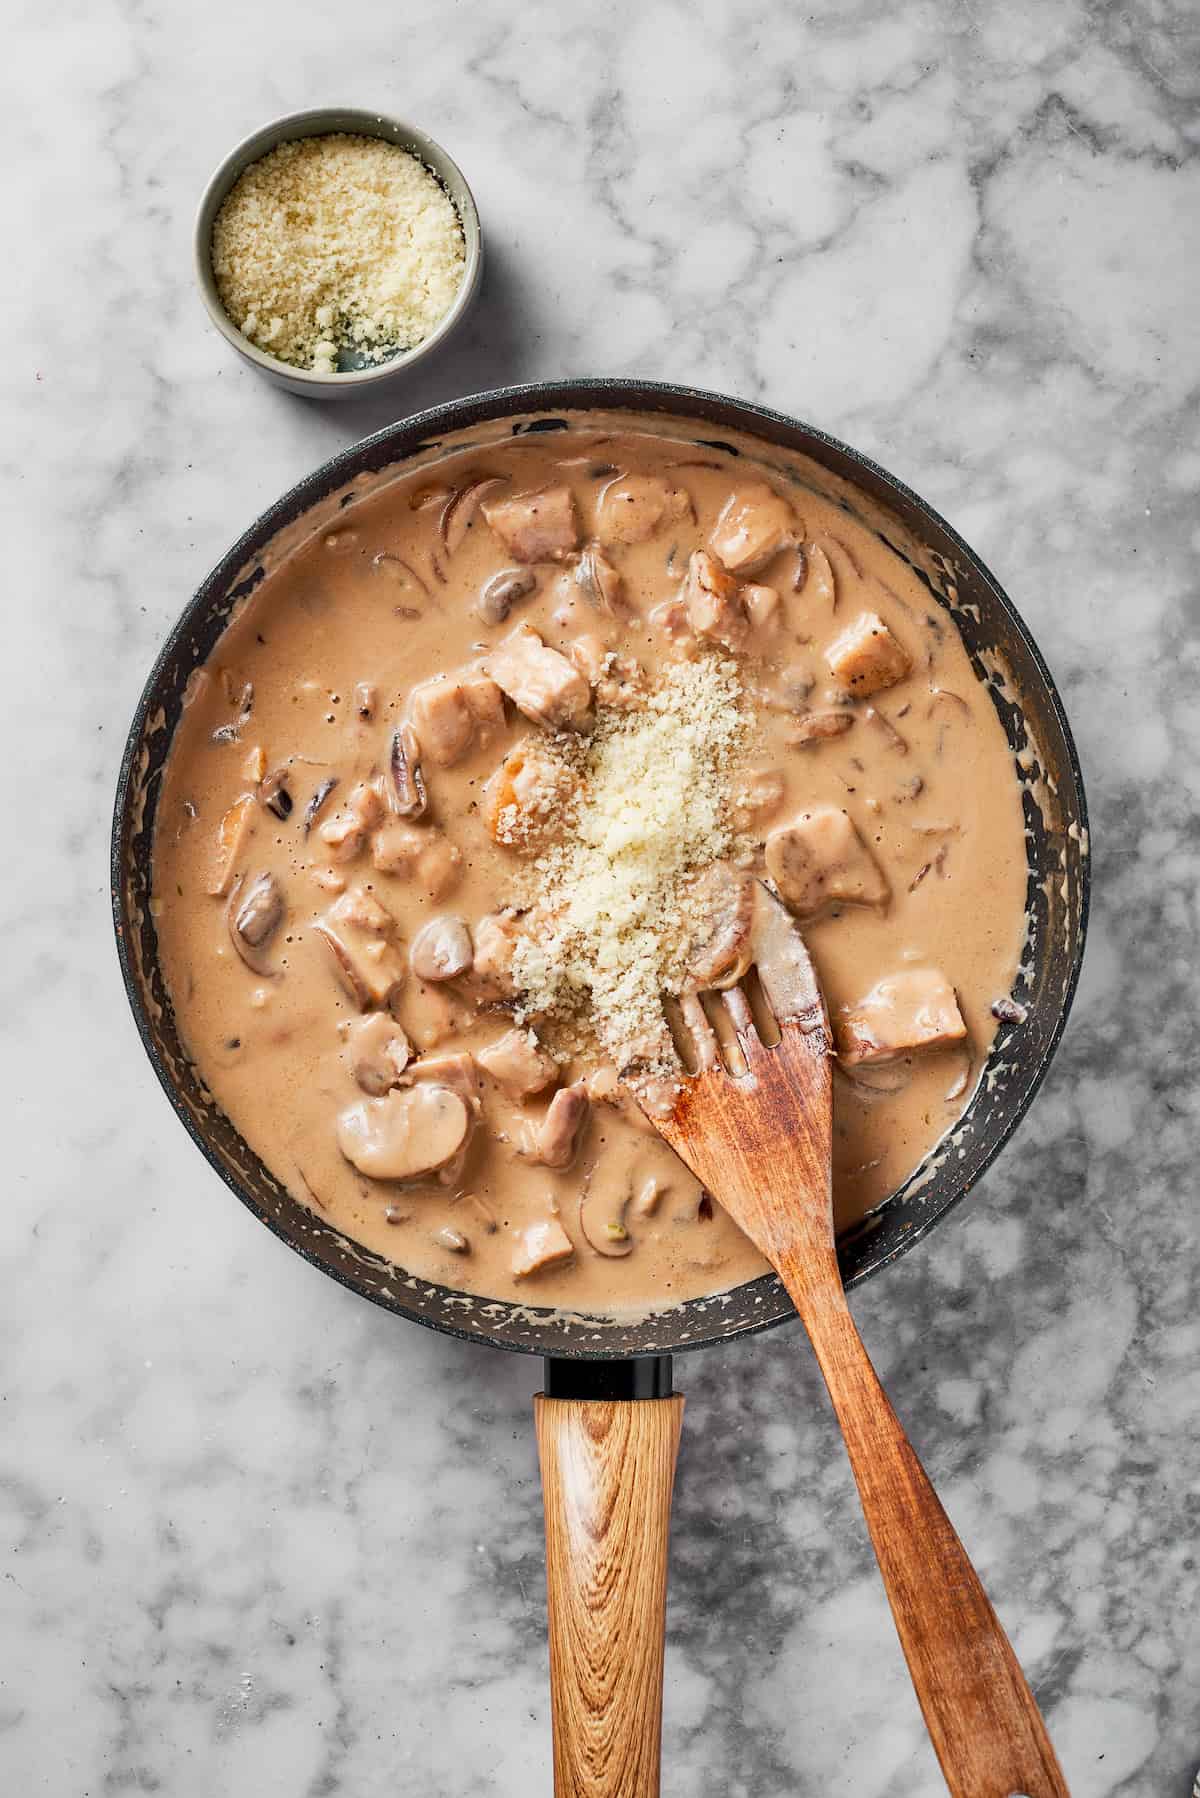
983	1720
608	1466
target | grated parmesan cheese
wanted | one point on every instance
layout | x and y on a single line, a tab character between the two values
337	243
604	935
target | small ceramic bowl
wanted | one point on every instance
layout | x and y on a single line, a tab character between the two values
320	123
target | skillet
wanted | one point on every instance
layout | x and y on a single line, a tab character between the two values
607	1441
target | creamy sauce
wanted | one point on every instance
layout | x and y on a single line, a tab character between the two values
890	817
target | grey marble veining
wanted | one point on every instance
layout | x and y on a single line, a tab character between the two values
259	1538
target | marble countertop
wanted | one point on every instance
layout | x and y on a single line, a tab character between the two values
258	1537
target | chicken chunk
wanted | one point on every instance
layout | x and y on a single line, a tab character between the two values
755	524
518	1064
426	857
235	831
820	860
495	946
539	1246
866	657
525	800
634	506
715	609
405	1134
539	681
914	1009
357	932
451	713
535	527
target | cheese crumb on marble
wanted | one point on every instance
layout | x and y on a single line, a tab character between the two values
604	936
337	243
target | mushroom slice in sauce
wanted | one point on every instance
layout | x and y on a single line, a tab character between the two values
602	1219
408	1133
313	808
274	794
456	1070
356	930
721	900
535	527
634	506
539	681
602	584
376	1051
819	859
441	949
499	595
754	525
557	1136
819	587
818	727
254	913
518	1064
866	657
541	1245
914	1009
404	769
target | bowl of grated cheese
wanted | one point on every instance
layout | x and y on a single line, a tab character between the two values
335	247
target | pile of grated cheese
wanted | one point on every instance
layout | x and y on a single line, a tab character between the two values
604	936
337	243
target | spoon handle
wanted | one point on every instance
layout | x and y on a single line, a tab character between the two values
985	1725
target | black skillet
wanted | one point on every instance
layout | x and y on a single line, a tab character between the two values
608	1443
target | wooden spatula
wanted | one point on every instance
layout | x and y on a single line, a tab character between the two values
759	1138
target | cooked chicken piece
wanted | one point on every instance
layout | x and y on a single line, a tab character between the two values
714	603
720	905
495	945
539	1246
456	1070
525	800
866	657
423	856
343	835
357	931
433	1015
409	796
818	727
601	583
234	834
451	712
539	681
441	949
757	796
755	524
914	1009
762	605
535	527
376	1051
518	1064
634	506
591	655
406	1134
820	860
367	802
557	1136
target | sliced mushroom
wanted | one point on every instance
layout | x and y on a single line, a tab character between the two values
408	1133
819	588
404	767
461	507
602	1219
254	914
313	808
273	793
818	727
442	949
405	579
376	1051
499	595
557	1136
603	585
454	1240
456	1070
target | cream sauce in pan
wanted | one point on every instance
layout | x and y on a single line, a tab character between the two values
341	876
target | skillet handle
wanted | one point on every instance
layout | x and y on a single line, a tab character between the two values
607	1452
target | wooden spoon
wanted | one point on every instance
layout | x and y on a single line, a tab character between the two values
759	1138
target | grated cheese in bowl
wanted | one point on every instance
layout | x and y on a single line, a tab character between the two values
605	931
334	245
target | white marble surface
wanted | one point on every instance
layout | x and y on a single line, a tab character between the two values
259	1538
